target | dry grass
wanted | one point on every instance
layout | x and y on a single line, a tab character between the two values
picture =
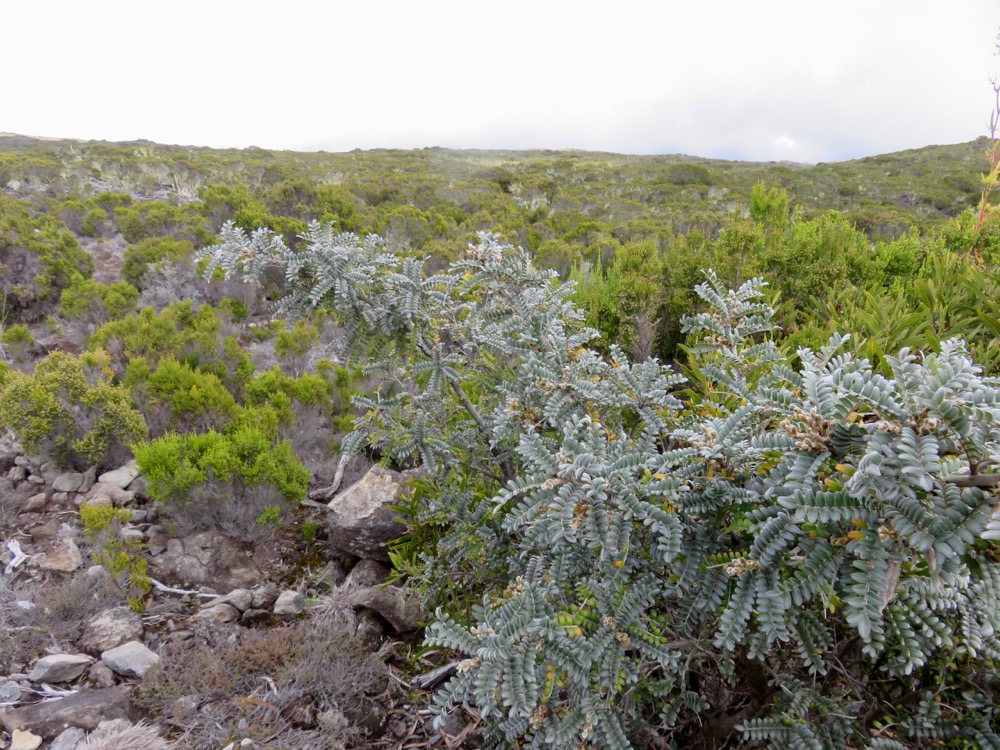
273	686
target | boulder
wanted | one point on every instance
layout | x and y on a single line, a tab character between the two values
401	609
85	709
368	573
289	603
71	481
68	739
360	521
218	613
264	596
239	598
34	504
209	558
119	497
131	659
59	668
65	558
122	477
111	628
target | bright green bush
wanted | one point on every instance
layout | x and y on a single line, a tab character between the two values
17	334
231	478
178	397
103	301
151	219
178	331
71	412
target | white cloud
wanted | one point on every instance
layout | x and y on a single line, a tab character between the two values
712	79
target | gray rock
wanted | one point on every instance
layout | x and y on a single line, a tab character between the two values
49	472
140	486
68	482
65	558
218	613
35	503
207	558
35	479
59	668
10	692
289	603
9	453
95	501
122	477
368	573
17	473
239	598
265	595
130	534
186	705
111	628
22	461
68	739
253	617
119	497
89	478
360	521
101	675
369	630
400	608
131	659
85	709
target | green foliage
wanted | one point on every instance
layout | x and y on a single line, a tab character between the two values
293	345
38	259
179	331
102	524
152	219
279	392
70	411
17	334
104	301
655	554
191	399
241	458
145	256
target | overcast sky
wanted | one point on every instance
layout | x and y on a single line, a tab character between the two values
761	80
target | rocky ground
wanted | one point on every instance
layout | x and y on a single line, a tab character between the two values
295	641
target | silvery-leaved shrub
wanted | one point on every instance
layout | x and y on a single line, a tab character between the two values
787	554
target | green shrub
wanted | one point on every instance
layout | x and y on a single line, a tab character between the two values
179	397
38	259
792	557
231	478
70	412
17	334
86	296
145	256
178	331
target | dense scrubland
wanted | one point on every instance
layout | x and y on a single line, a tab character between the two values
652	512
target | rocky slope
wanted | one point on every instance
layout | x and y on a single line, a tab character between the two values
291	644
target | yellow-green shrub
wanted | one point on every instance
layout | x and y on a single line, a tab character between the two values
70	411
